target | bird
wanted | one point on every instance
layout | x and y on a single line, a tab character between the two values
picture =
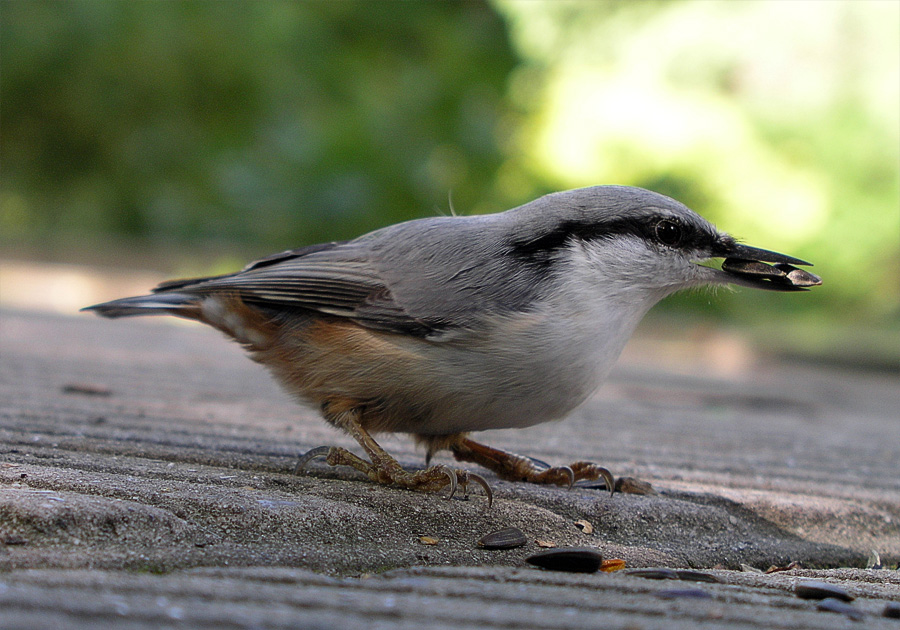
442	326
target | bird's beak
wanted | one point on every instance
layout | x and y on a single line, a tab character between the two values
745	265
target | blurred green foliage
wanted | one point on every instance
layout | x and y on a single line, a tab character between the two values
267	125
779	120
275	123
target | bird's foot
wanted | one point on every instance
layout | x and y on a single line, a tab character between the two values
387	470
514	467
382	468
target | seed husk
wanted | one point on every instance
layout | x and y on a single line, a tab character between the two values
799	277
612	565
752	268
508	538
571	559
832	604
779	272
813	589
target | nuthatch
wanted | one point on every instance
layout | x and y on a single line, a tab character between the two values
446	325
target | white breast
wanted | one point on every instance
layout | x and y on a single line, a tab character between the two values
537	366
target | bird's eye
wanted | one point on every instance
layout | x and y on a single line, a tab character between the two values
668	232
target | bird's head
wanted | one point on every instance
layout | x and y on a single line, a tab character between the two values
644	240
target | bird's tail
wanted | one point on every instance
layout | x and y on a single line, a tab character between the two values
178	304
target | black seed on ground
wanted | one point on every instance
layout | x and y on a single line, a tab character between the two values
812	589
572	559
508	538
696	576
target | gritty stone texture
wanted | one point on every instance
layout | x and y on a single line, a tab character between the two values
146	480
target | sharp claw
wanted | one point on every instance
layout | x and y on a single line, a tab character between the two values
481	481
608	479
319	451
571	473
538	462
453	483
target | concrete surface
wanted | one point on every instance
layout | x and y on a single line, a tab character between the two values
146	481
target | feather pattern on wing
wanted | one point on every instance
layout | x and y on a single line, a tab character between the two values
334	280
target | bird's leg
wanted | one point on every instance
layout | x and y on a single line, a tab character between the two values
514	467
383	468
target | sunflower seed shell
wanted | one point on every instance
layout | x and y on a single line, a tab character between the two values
813	589
508	538
571	559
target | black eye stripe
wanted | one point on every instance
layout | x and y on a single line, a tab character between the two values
659	229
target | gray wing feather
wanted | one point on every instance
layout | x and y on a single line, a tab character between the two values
421	277
340	281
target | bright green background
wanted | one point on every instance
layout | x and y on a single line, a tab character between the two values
235	128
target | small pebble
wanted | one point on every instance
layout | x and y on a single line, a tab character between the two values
891	610
508	538
788	567
571	559
584	526
830	604
813	589
874	560
630	485
746	568
676	593
654	574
